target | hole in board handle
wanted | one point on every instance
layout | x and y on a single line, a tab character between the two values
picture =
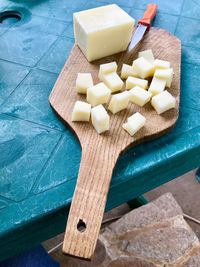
81	226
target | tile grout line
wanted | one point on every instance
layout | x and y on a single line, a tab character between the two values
30	68
69	179
36	64
6	30
49	49
15	63
179	17
32	122
41	69
1	105
46	52
37	178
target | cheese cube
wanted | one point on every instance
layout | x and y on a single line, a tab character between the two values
134	123
135	71
107	68
100	119
147	54
161	64
139	96
81	111
83	82
157	86
102	31
98	94
163	102
143	67
113	81
119	102
132	82
128	70
165	74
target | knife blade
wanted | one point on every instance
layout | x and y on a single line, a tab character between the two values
143	24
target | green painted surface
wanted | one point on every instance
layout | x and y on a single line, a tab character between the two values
39	156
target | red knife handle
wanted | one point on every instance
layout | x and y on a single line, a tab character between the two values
149	14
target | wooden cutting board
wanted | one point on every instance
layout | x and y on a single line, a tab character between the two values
100	152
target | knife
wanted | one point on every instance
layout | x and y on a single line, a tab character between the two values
143	24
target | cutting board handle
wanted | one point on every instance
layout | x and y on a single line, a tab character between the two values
89	201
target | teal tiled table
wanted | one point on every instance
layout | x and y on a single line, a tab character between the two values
39	156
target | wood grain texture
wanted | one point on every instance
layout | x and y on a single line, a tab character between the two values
100	152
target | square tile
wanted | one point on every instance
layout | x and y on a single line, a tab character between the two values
165	21
55	58
25	148
191	9
63	165
30	100
10	76
24	46
188	31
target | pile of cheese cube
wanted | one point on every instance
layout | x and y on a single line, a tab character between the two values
137	92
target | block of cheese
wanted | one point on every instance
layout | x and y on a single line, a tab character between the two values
98	94
132	82
102	31
107	68
83	82
148	55
119	102
139	96
165	74
157	86
128	70
100	119
134	123
81	111
161	64
113	81
143	67
163	102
